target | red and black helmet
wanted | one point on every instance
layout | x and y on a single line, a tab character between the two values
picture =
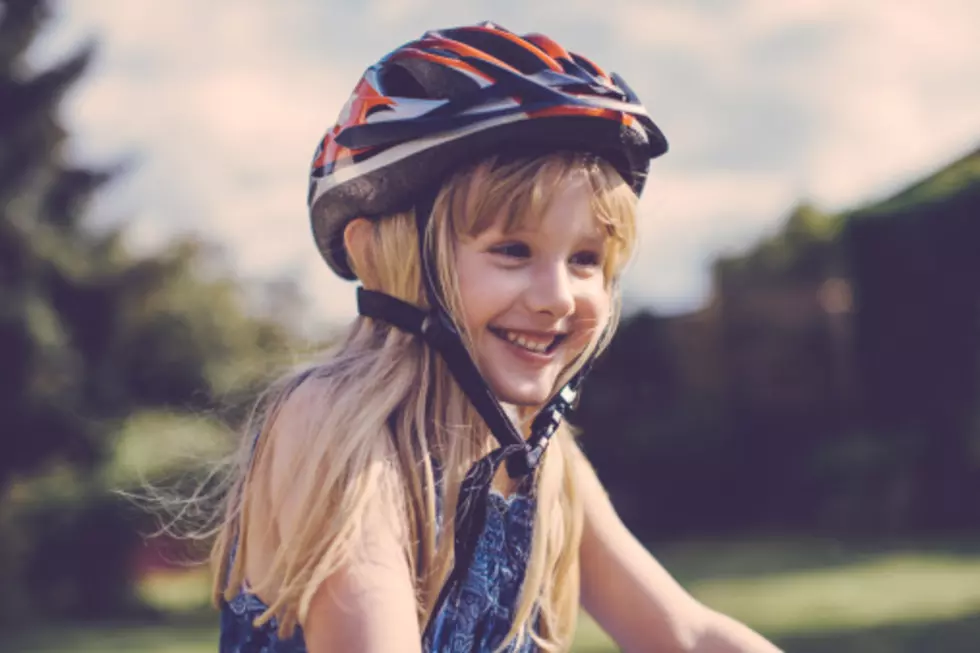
457	95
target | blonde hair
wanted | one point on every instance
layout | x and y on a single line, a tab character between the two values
360	445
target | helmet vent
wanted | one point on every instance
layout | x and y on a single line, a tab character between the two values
500	47
398	82
425	80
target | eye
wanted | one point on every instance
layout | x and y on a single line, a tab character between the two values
515	250
587	258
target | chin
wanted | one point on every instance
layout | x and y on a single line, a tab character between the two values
524	402
524	397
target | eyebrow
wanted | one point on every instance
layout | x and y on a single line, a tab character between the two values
598	233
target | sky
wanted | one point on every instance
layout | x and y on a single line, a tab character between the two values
218	106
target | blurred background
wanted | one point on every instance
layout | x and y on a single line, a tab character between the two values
789	415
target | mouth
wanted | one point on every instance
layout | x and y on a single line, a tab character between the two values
540	343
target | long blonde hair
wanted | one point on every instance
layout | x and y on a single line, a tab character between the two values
379	407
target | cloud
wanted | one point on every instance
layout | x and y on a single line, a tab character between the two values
763	102
687	219
221	108
854	97
768	102
896	98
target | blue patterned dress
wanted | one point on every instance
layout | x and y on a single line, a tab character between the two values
476	616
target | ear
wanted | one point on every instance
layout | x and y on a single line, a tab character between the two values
358	235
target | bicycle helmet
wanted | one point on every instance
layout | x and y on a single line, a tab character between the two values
457	95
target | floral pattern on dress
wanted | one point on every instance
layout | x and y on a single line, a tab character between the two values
477	617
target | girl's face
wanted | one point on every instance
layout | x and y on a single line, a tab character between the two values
534	298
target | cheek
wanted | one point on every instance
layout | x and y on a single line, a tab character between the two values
592	310
469	293
480	290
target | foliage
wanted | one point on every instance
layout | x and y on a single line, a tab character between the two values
917	283
832	384
945	184
90	335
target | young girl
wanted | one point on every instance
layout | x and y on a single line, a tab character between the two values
415	489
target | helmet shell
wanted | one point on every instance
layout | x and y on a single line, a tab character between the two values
458	95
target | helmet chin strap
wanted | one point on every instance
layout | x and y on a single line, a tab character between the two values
438	331
436	328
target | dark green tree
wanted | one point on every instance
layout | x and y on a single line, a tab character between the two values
47	262
916	269
89	334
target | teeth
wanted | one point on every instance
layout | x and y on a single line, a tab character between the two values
530	345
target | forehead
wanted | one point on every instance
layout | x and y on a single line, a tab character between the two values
569	205
521	197
521	194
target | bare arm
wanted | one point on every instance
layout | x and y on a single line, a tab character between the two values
368	606
369	603
634	598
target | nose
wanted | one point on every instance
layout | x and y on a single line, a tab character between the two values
552	291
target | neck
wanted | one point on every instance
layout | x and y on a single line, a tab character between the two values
518	418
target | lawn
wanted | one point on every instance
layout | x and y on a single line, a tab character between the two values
810	597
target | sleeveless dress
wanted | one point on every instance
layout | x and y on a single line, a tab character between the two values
476	618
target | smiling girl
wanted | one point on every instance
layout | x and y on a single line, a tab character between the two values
415	489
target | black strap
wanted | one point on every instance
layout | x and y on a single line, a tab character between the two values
423	211
379	306
436	329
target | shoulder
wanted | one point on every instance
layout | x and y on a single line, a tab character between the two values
320	479
320	453
368	603
316	436
336	487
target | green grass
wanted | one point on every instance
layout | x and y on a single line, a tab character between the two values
116	639
785	588
810	597
152	444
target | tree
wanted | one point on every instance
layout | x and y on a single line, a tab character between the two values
46	261
917	278
89	335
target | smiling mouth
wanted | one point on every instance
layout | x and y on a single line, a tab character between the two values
536	344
